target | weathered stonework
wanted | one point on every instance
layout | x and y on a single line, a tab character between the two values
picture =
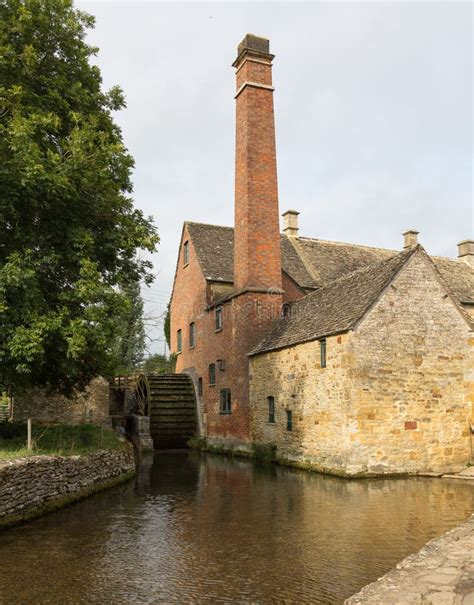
441	573
32	486
397	393
91	406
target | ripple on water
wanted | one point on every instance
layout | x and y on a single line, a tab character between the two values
203	529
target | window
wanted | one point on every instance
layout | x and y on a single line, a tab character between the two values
200	387
285	311
289	420
212	374
271	409
185	253
218	318
192	335
221	364
225	401
180	341
322	348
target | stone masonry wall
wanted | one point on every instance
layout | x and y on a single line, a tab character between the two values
92	406
31	486
396	395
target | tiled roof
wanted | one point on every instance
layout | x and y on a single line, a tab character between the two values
313	263
334	308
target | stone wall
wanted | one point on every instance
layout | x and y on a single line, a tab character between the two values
91	406
32	486
397	393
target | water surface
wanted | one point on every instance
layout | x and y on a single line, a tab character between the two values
204	529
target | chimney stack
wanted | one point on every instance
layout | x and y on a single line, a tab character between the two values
290	227
466	251
257	257
410	238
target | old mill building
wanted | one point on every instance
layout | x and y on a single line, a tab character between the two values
351	359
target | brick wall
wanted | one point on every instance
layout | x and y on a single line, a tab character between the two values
92	406
396	395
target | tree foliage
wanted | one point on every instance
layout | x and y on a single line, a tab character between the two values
130	341
69	234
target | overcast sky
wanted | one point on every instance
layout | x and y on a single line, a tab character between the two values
373	108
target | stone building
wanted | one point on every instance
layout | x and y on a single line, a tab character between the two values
255	313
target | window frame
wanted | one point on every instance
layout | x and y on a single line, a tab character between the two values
289	421
186	253
212	374
192	335
179	341
225	402
271	409
323	361
218	323
200	387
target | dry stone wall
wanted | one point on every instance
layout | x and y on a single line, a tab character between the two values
91	406
32	486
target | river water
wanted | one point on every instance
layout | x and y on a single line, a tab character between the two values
204	529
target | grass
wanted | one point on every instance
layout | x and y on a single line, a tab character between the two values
56	440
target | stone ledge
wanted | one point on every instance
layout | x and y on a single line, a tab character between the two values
441	573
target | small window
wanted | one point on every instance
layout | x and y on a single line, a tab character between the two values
192	335
271	409
225	402
289	420
221	364
200	387
322	348
285	311
218	318
212	374
185	253
179	341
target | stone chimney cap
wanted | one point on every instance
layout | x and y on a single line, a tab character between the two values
290	223
410	238
256	45
466	251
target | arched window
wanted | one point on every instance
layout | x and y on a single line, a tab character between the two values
212	374
192	335
286	310
179	339
271	409
185	253
200	387
218	318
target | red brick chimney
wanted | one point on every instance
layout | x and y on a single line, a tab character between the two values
257	259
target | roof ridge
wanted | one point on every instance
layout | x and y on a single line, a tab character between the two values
338	243
208	225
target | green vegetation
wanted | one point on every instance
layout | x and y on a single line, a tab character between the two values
70	260
58	440
159	364
265	452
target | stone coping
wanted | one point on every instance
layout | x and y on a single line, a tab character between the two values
441	573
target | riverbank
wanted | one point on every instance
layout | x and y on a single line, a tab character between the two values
34	485
56	439
441	573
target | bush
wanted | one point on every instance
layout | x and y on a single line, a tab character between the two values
264	452
198	443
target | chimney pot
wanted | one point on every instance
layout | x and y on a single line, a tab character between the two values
410	238
290	218
466	251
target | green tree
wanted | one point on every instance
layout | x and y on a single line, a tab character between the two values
130	341
158	364
69	234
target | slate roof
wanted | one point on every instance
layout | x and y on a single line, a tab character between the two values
334	308
313	263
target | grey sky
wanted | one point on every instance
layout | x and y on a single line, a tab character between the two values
373	107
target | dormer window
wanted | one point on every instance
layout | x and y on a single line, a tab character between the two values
185	253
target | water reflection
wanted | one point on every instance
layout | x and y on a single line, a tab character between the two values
205	529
